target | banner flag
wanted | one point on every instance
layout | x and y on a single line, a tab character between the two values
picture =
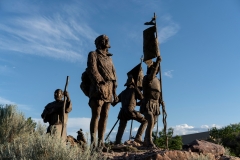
150	44
137	74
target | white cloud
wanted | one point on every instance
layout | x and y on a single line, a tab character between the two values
63	35
78	123
184	129
168	73
5	101
73	125
135	129
210	126
169	29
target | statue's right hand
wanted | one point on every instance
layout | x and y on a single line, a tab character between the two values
159	59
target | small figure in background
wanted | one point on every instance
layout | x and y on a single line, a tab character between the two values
80	138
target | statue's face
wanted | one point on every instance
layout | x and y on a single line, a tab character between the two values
58	95
106	42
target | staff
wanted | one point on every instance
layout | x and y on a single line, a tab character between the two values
64	105
111	130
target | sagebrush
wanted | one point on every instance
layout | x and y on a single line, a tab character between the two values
22	138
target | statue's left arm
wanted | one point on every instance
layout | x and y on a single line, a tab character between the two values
114	84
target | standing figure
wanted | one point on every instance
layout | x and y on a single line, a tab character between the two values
80	137
101	71
53	113
150	106
128	98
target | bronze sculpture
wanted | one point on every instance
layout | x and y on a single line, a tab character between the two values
53	114
80	138
150	106
128	98
102	89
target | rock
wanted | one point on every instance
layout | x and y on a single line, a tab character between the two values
185	155
198	150
205	147
228	158
132	143
71	140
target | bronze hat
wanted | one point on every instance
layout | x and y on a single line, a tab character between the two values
130	80
79	130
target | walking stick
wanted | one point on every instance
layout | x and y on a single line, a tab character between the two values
111	130
64	106
130	136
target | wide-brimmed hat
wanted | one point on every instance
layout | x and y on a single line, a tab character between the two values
130	80
137	74
80	130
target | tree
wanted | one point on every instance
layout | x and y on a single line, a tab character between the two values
174	143
228	136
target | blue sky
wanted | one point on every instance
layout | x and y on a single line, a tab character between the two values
42	42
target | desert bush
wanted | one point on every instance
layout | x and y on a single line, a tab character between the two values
204	157
43	146
13	123
174	143
35	145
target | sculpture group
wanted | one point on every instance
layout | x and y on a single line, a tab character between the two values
99	83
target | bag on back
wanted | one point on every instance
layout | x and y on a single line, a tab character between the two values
85	84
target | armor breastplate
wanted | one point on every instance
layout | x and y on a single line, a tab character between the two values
151	90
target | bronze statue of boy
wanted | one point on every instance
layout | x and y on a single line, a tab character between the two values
53	113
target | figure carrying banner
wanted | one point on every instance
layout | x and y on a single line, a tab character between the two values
150	106
152	86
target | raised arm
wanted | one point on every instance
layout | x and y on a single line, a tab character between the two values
154	69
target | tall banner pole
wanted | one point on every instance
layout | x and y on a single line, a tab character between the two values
64	106
164	113
153	51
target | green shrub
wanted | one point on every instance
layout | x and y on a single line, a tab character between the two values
174	143
228	136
